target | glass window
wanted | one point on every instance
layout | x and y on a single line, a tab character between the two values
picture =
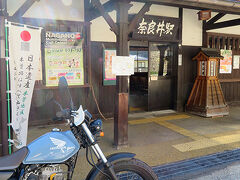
134	55
161	57
140	60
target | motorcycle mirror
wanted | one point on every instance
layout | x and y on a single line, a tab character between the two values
64	92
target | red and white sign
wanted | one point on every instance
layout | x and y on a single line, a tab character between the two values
25	51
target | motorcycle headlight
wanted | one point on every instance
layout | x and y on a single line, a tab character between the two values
96	127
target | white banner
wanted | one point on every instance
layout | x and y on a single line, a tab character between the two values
24	51
122	65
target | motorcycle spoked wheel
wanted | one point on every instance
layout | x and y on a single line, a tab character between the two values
133	169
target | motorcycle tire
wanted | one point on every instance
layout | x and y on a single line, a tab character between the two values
134	166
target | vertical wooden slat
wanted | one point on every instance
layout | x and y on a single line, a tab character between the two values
213	42
223	42
237	44
201	93
233	44
218	42
210	93
208	37
228	43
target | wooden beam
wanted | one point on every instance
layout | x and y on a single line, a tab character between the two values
108	7
234	22
216	18
195	5
87	13
23	9
204	35
139	15
106	16
4	122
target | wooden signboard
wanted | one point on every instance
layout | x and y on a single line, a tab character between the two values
157	28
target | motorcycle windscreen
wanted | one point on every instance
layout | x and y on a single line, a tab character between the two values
65	96
53	147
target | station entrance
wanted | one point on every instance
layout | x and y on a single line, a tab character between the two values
153	85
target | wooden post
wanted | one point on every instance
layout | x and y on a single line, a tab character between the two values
180	69
4	127
121	30
121	98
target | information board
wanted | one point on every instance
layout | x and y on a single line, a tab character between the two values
64	57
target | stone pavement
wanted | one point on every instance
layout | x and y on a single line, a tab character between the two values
164	137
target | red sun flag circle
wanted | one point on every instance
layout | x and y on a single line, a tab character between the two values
25	36
78	36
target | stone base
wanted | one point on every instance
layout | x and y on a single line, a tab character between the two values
209	111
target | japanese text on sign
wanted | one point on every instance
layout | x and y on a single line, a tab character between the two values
156	28
153	27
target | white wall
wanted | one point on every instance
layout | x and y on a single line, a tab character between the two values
228	30
100	31
192	28
51	9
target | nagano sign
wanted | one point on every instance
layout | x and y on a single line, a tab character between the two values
157	28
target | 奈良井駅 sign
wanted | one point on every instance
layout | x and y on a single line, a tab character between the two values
157	28
25	51
64	57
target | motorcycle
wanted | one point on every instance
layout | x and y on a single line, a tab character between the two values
53	156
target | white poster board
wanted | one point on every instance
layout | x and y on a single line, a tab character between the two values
226	62
122	65
236	59
25	51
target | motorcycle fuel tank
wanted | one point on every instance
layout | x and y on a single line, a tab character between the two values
53	147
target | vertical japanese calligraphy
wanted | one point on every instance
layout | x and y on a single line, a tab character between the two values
24	50
64	57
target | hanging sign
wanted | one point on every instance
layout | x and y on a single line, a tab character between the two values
122	65
108	77
64	57
24	50
226	62
156	28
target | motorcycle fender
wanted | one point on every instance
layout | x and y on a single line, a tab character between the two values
5	174
111	158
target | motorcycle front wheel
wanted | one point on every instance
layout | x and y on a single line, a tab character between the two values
133	169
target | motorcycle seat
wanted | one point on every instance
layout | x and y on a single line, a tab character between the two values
13	161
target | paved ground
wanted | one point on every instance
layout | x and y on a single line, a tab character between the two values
164	137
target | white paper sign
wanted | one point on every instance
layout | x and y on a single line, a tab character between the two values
236	59
24	50
180	60
122	65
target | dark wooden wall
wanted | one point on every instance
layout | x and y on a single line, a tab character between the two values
230	83
105	94
188	72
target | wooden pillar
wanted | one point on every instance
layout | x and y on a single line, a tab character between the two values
204	35
121	97
180	69
121	30
3	120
